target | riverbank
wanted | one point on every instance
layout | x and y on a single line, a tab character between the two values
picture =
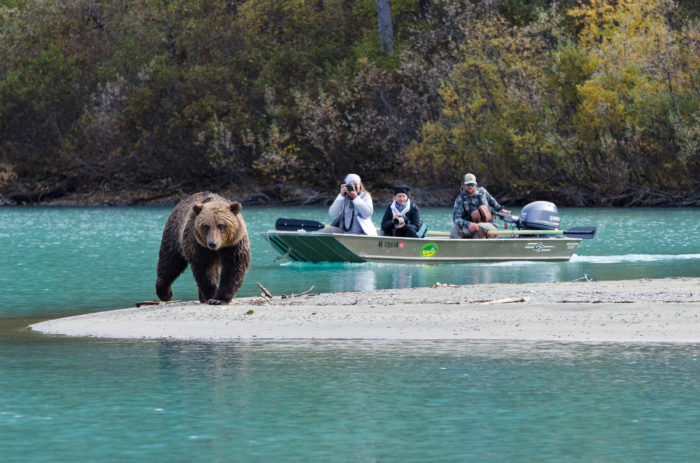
436	196
426	196
663	310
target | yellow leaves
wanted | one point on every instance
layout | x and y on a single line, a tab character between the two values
477	103
7	173
494	115
450	98
639	69
522	138
591	9
624	31
7	13
280	157
600	108
430	155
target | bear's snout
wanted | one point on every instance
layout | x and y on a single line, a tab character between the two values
213	244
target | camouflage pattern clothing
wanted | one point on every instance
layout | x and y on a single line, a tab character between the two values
465	204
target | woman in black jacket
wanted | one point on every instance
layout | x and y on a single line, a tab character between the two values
402	217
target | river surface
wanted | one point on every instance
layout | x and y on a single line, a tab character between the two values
68	399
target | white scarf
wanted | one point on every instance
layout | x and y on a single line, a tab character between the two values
403	213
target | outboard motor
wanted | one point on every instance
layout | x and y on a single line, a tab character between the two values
540	215
543	215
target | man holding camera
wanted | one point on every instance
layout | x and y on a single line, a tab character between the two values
401	218
352	209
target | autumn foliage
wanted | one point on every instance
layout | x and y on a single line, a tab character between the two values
584	102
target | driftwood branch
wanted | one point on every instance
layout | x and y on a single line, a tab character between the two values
144	303
506	301
265	292
284	296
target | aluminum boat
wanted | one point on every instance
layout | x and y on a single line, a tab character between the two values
536	237
304	246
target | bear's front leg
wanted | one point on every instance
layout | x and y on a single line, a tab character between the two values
170	265
206	274
236	261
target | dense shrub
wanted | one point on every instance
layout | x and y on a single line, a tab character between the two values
581	102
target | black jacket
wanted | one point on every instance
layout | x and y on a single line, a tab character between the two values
412	220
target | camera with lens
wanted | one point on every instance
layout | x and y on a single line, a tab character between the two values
350	187
398	221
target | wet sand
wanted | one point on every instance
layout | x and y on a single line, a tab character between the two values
650	310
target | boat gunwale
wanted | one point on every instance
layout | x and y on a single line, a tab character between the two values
343	251
515	236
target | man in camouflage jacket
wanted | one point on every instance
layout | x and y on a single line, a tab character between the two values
469	199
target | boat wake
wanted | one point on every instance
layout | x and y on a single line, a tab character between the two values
632	258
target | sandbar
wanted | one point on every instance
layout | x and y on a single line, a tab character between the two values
645	310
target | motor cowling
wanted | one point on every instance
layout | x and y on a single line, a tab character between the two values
540	215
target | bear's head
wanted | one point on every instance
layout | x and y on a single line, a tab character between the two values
218	223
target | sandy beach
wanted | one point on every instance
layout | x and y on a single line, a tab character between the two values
661	310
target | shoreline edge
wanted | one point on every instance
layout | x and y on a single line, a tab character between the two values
646	310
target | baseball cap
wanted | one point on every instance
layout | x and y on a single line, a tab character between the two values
469	178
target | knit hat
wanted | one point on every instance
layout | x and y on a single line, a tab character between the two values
401	189
352	178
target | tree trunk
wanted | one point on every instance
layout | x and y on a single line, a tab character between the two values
385	31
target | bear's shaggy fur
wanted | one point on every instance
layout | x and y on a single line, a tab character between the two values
207	232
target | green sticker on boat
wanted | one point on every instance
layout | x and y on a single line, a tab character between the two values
429	250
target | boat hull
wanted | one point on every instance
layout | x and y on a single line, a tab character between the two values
322	247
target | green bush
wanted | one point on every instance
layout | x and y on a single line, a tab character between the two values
585	103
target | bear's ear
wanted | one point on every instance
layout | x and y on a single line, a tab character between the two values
197	208
235	207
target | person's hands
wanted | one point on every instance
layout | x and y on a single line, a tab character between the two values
473	226
505	211
400	225
352	194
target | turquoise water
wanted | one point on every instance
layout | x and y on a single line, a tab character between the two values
58	261
76	399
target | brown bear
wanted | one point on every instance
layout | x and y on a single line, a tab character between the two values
207	232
